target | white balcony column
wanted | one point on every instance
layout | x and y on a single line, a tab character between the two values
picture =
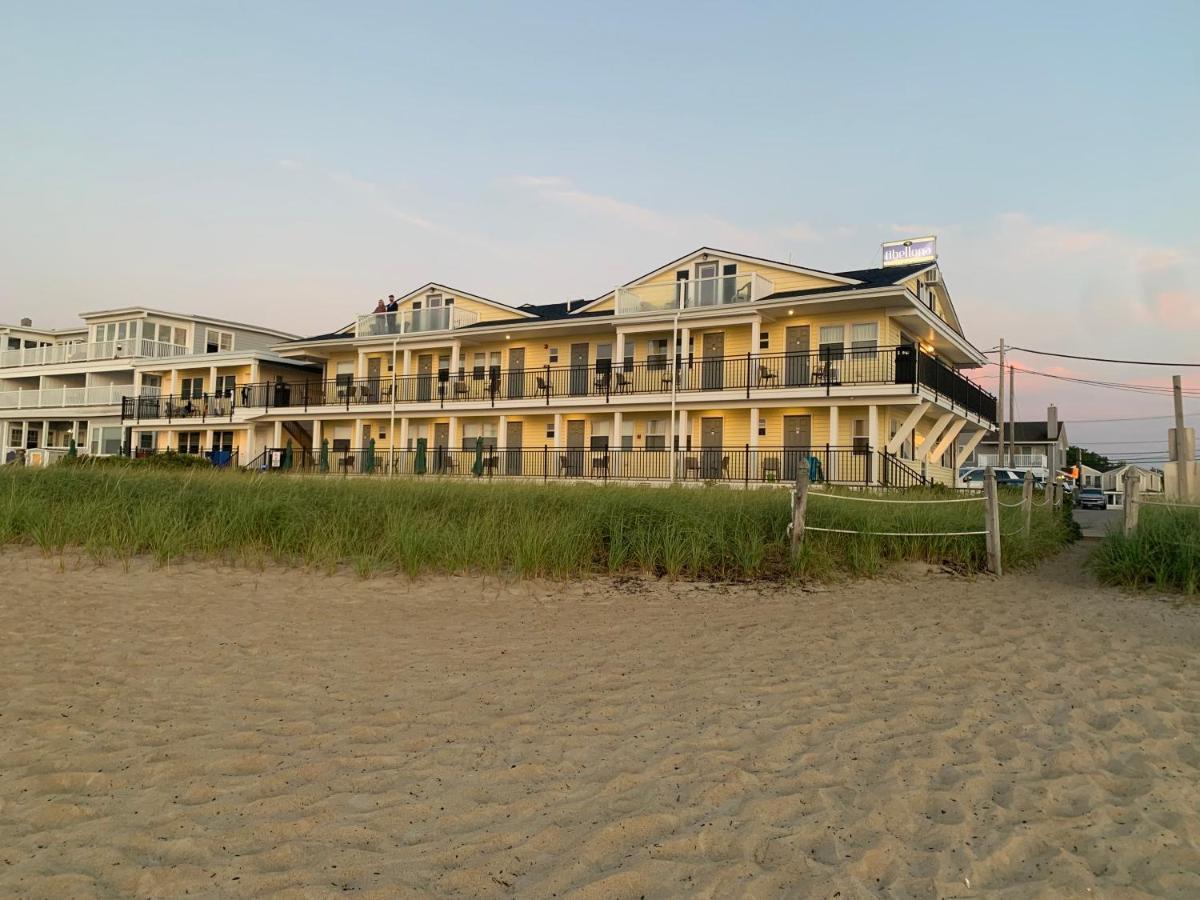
316	433
502	433
558	424
404	366
254	371
682	431
360	364
614	440
278	435
356	441
619	351
455	352
45	432
208	440
402	444
873	439
453	439
212	379
684	336
24	434
834	431
753	435
755	334
169	440
246	451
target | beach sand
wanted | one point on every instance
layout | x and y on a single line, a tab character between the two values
209	731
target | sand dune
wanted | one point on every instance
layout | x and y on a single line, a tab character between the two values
218	732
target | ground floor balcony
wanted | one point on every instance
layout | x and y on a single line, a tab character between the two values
904	369
66	397
859	465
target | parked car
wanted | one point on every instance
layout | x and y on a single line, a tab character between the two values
1004	477
1091	498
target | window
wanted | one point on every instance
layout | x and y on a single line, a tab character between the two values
494	366
764	340
603	358
104	441
553	354
472	431
189	442
762	427
656	358
599	437
146	440
864	339
656	434
218	341
627	434
222	442
225	385
860	437
550	430
832	341
478	368
192	388
630	347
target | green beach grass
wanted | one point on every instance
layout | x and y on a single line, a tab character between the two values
379	526
1163	553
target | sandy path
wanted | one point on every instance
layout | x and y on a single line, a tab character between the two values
235	733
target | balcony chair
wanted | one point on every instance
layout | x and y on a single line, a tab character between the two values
623	381
461	389
542	387
691	464
766	375
770	467
600	464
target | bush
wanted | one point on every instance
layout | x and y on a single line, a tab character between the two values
1163	553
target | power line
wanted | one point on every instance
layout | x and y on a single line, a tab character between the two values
1127	362
1151	389
1194	415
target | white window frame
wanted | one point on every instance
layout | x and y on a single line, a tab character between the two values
221	336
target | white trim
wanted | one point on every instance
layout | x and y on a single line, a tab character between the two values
455	292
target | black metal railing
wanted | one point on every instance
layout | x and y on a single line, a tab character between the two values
745	464
228	457
747	375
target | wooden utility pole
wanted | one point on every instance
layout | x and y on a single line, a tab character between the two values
1027	503
1133	485
1012	420
1183	461
1000	410
799	508
991	514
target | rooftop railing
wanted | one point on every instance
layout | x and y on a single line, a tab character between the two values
414	321
86	352
823	372
701	293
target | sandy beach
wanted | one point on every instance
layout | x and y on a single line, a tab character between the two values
208	731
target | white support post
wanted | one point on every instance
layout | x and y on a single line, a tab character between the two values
247	449
254	373
619	351
317	437
212	379
356	437
502	434
558	435
278	436
403	443
906	428
614	441
208	440
949	436
683	431
752	437
404	366
755	334
834	431
453	439
455	354
921	454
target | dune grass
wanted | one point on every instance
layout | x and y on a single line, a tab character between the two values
381	526
1163	553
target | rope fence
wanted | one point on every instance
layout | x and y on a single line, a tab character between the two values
1134	501
991	514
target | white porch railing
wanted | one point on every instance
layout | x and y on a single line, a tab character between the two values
414	321
1019	460
84	352
60	398
701	293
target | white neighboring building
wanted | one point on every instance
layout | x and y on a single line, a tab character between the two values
62	384
1113	483
1090	478
1039	446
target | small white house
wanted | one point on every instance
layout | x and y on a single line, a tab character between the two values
1113	483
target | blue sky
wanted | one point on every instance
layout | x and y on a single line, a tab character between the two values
291	162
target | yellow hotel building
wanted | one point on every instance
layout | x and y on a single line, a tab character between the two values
716	366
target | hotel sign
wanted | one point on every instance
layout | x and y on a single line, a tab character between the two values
915	250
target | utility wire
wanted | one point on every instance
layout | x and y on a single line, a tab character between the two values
1127	362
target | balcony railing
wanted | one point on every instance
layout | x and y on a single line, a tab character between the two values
413	321
57	398
723	290
83	352
823	372
745	464
1020	460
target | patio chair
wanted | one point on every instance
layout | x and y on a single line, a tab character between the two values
623	381
461	389
770	467
542	387
691	464
765	375
564	464
600	465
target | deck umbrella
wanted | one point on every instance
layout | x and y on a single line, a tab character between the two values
287	455
324	462
419	462
369	458
477	467
71	451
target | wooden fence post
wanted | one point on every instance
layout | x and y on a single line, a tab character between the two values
1048	491
1027	503
991	513
799	508
1133	486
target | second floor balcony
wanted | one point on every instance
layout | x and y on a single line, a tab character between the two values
804	374
80	352
414	321
66	397
699	293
